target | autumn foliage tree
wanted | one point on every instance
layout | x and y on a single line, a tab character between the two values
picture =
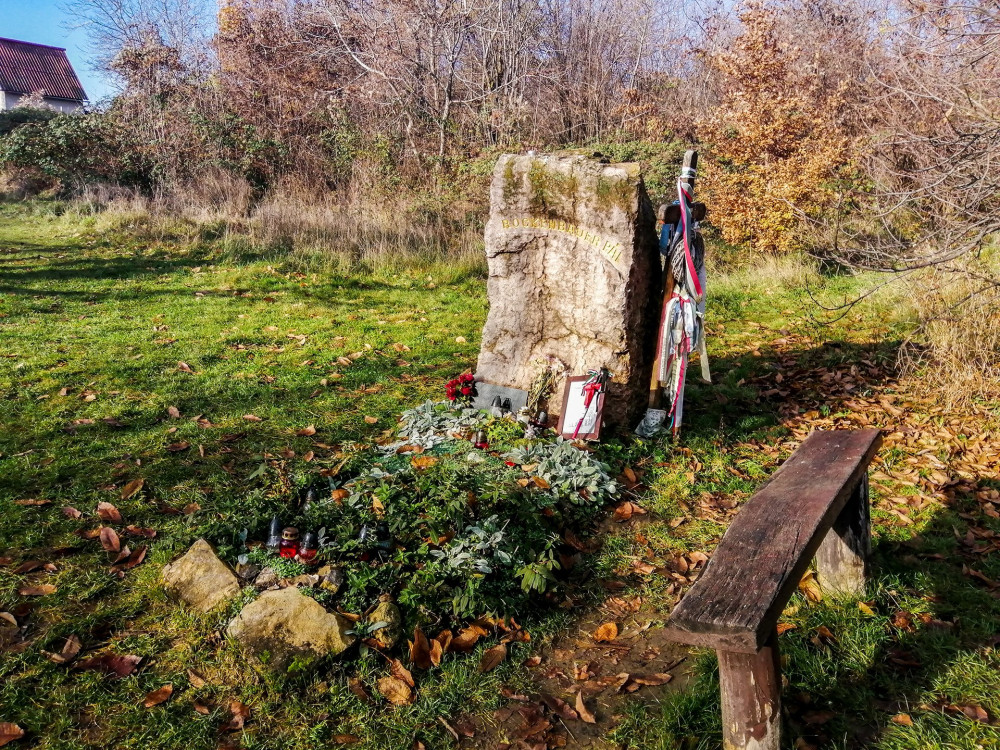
779	140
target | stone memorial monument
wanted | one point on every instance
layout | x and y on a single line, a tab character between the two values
574	277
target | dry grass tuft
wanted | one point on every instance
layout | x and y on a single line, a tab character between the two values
307	229
956	351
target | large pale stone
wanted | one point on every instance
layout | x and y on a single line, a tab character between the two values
200	578
574	274
283	625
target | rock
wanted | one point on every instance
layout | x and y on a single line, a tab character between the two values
386	612
200	579
247	571
574	277
330	578
305	580
284	626
265	579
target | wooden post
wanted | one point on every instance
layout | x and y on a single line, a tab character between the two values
751	698
842	558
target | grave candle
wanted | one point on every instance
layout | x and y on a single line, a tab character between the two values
274	534
309	547
289	542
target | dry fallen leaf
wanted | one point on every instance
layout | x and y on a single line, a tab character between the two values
492	657
581	709
423	462
345	739
400	672
196	680
420	650
40	590
110	540
397	692
437	652
606	632
240	712
307	431
114	665
158	696
9	732
108	512
371	420
174	412
466	640
183	445
71	512
184	367
131	488
130	561
903	720
355	686
70	650
784	627
659	678
252	418
810	588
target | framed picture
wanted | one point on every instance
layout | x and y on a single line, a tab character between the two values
579	420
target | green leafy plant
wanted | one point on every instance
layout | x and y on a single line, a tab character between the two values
571	473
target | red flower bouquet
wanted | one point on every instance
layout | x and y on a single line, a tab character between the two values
461	389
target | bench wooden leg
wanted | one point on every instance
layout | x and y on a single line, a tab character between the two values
751	698
842	558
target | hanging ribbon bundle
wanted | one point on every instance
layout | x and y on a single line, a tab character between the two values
682	327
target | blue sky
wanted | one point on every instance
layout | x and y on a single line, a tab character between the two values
43	21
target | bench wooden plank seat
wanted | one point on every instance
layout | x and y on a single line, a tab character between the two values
815	505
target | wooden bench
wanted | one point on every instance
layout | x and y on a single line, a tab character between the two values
816	504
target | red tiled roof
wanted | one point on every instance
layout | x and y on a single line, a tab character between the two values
26	68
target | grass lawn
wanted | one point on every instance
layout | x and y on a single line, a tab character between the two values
102	333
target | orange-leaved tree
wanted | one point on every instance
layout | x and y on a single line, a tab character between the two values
778	140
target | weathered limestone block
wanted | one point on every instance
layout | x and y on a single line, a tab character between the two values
283	625
574	273
200	579
388	613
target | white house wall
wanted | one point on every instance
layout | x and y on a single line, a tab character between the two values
10	101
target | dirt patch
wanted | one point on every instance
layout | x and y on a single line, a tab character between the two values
583	679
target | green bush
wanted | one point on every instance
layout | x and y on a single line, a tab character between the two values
14	118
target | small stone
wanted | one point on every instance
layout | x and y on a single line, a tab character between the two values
304	580
285	626
331	578
200	579
247	571
386	612
265	579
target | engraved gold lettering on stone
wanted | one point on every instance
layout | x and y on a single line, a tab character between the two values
610	249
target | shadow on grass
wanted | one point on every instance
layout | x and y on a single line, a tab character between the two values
920	648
